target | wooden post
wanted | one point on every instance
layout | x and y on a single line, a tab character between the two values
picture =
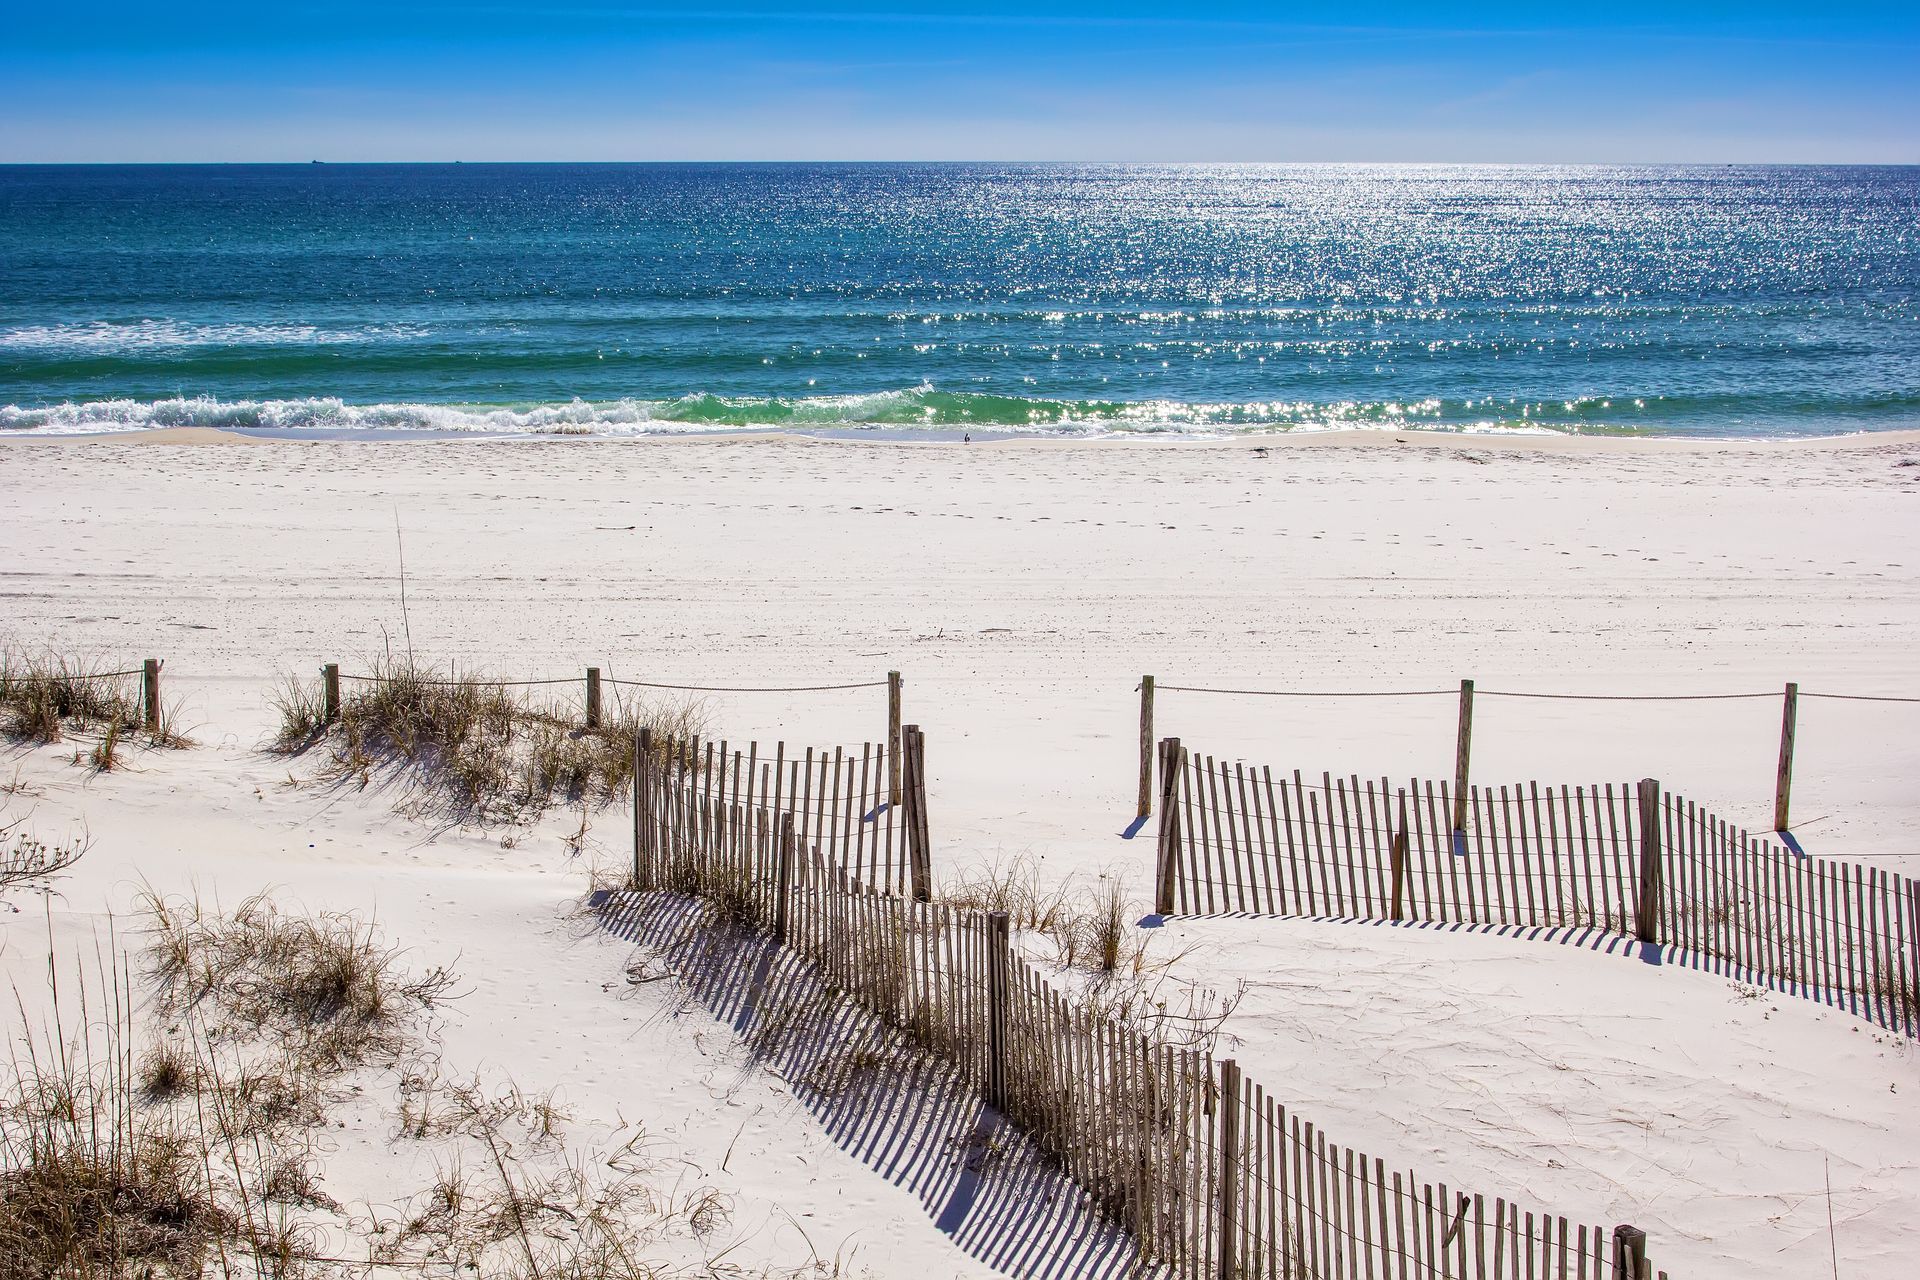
1911	997
593	697
1166	865
150	692
330	693
783	880
1648	923
999	980
1229	1129
919	854
1400	859
1146	747
1462	749
1629	1253
893	738
1783	782
642	799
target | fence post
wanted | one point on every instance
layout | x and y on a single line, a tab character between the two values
330	693
1629	1253
893	738
1462	749
783	880
1783	782
150	692
1172	763
1146	747
593	697
1229	1169
1911	1000
642	796
999	978
919	856
1648	923
1400	859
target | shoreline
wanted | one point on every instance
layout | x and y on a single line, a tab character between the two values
1361	438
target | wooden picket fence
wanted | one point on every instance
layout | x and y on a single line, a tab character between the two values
697	799
1214	1178
1627	858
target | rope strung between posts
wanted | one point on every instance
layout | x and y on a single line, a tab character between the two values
454	684
1628	697
632	684
1294	693
99	675
1858	697
1510	693
710	688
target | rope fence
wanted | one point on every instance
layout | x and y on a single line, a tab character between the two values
151	712
725	688
892	749
457	681
1463	737
1515	693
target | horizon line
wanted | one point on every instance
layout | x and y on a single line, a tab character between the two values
318	162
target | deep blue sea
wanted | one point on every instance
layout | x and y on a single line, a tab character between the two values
1093	299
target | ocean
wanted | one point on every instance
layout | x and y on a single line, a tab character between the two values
946	299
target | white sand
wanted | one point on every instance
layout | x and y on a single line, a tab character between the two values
1023	589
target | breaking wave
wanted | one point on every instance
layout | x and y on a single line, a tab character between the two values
922	407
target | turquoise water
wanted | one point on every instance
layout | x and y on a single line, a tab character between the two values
1017	298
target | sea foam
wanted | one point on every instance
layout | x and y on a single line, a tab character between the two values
916	408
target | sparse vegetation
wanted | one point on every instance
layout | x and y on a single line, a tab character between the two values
1088	924
27	859
195	1157
323	985
46	696
486	749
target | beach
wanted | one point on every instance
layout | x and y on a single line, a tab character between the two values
1022	588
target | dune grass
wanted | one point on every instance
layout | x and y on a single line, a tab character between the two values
486	749
167	1126
47	696
1088	923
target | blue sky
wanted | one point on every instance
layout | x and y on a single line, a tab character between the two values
588	80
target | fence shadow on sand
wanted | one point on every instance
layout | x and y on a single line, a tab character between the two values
1593	938
879	1098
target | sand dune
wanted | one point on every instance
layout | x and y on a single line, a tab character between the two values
1023	590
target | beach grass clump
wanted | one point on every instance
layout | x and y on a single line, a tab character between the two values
325	984
1089	924
1016	887
92	1184
300	706
486	748
1099	935
45	696
195	1156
